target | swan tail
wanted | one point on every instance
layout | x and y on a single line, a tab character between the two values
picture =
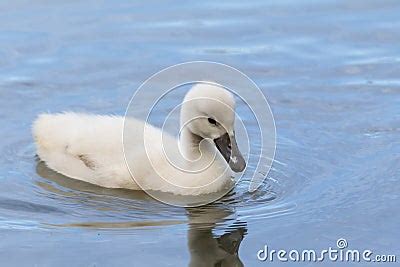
52	147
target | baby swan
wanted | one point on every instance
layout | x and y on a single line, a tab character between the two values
91	148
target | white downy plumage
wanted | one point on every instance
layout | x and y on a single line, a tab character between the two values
90	147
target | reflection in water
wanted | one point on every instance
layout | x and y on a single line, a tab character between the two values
25	206
109	208
205	246
66	182
208	249
117	225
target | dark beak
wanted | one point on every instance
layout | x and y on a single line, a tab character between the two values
227	146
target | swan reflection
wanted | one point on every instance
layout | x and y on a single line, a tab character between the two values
208	248
214	234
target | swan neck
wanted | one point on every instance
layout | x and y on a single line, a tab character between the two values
189	144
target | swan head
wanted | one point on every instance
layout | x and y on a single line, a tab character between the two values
208	112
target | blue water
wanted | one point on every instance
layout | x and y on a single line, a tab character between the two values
330	70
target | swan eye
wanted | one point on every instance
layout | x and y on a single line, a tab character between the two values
212	121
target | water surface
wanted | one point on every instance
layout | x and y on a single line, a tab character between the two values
330	71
